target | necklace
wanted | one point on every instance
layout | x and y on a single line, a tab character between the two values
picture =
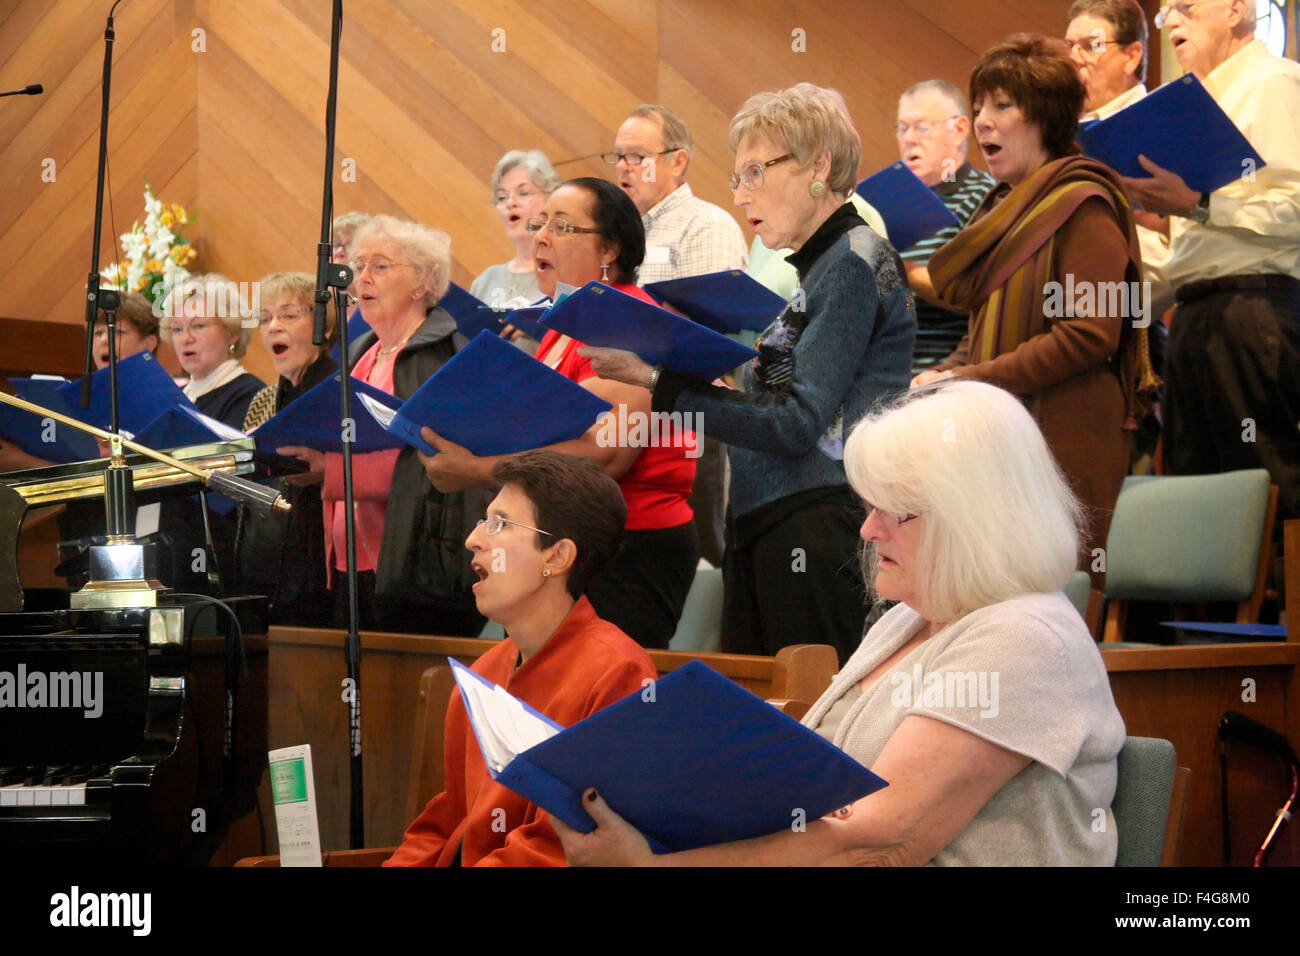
384	353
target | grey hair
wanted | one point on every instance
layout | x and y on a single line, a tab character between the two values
426	250
945	89
809	120
214	296
534	162
999	518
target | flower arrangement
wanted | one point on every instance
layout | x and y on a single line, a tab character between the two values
156	253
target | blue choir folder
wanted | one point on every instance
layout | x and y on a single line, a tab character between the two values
727	302
45	438
1266	631
912	210
537	405
599	315
472	314
1179	127
182	425
313	420
144	389
43	390
691	760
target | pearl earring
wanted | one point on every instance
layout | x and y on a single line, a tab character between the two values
817	189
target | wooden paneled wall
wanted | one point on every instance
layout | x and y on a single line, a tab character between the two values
229	121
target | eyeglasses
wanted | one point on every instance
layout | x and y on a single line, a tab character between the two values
195	328
751	177
101	332
522	193
290	313
1183	9
378	266
559	227
493	524
923	129
891	522
1090	46
613	158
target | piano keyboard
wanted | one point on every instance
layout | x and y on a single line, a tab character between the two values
45	787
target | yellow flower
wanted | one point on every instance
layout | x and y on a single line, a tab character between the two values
166	219
190	255
142	284
153	265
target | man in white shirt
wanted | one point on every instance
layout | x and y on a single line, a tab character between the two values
1108	42
684	236
1233	368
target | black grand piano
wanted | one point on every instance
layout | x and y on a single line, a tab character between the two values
128	734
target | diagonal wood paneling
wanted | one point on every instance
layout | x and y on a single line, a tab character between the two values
426	108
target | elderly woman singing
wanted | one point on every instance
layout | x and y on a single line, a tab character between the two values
971	528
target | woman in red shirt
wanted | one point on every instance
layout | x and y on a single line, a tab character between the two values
590	230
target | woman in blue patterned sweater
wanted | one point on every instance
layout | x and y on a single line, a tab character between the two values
842	344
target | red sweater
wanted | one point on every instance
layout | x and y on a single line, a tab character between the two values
586	665
657	488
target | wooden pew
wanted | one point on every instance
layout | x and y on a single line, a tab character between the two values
307	706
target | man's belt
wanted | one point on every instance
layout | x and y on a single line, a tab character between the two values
1202	288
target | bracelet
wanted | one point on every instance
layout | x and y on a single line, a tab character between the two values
654	377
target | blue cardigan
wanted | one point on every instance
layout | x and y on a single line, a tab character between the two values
843	344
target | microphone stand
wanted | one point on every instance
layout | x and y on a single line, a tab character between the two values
337	277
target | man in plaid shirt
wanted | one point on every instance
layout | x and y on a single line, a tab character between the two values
684	236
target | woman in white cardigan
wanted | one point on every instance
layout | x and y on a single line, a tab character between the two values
980	697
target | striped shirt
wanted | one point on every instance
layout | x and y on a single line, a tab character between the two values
939	331
686	236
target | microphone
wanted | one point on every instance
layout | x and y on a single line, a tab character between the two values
31	89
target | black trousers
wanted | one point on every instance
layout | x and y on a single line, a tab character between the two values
642	591
798	582
1232	392
709	498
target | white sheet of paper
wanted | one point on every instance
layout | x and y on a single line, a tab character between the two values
293	789
146	519
377	409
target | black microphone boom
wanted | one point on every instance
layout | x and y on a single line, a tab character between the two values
31	89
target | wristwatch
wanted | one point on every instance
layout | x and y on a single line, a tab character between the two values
1201	211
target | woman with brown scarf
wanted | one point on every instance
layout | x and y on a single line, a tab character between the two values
1050	272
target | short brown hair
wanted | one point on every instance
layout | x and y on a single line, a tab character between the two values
573	499
1126	17
1037	72
137	311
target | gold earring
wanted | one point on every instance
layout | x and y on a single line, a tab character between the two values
546	573
817	189
231	350
604	272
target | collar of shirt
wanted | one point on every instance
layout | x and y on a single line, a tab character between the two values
1227	72
1127	98
223	374
840	222
666	205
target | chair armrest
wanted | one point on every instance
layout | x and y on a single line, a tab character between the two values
791	708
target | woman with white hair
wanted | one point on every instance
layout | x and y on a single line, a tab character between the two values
842	344
521	183
414	573
210	332
980	697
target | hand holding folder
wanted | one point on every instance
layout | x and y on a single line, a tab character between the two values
493	399
727	302
692	760
599	315
912	210
1178	127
